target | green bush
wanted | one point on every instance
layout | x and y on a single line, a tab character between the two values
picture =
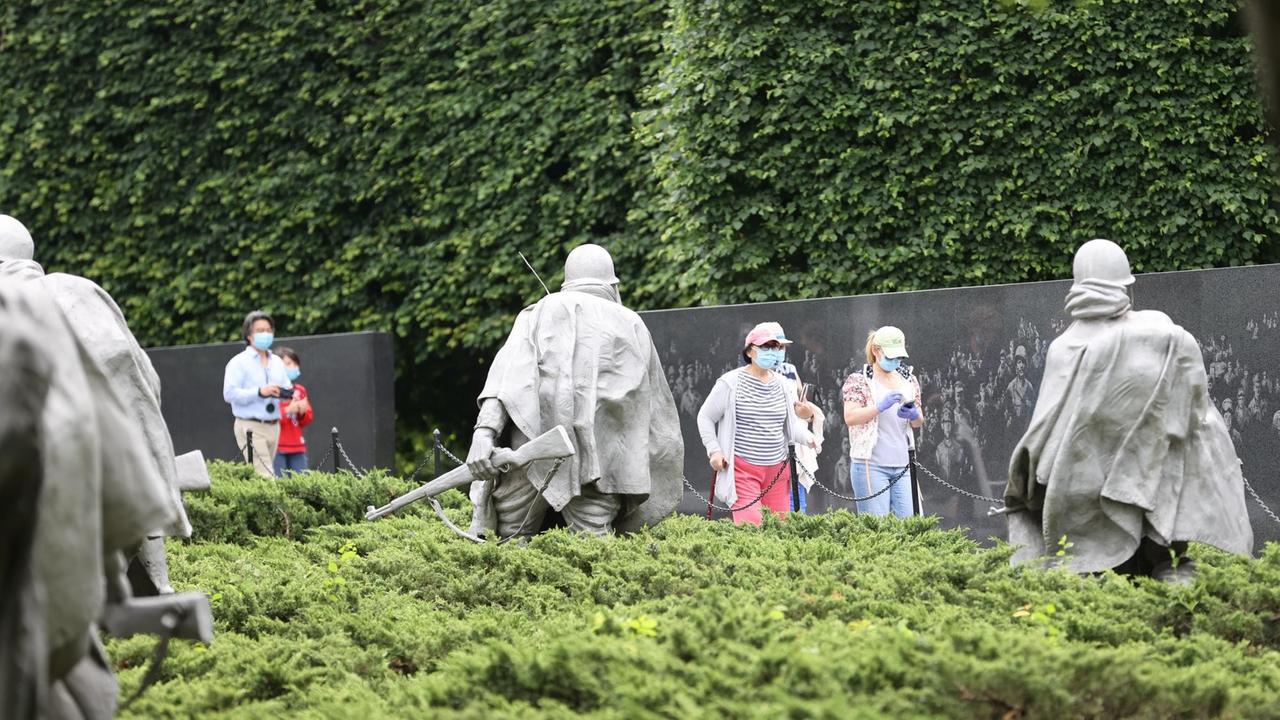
241	504
819	616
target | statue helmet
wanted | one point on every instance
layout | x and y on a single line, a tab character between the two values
15	241
588	263
1101	260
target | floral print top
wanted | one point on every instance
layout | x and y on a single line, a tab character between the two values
857	390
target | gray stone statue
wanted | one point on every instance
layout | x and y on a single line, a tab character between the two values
99	325
99	495
25	376
1126	457
579	359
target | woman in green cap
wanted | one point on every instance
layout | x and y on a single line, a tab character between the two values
881	409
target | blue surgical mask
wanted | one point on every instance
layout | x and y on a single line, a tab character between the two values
292	373
769	359
890	364
263	340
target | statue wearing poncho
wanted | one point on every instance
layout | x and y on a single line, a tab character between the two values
1125	452
100	327
581	360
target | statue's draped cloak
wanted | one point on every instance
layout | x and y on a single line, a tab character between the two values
101	492
1124	443
102	331
101	328
580	359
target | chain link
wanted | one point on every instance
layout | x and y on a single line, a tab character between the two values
347	459
962	491
852	498
257	460
421	465
1258	500
546	482
740	508
454	458
320	465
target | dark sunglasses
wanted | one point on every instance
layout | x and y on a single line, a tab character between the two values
771	345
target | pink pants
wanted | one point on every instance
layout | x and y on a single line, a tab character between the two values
750	480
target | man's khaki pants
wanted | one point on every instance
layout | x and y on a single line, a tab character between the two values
265	438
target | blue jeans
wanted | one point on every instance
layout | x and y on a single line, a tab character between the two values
290	462
898	499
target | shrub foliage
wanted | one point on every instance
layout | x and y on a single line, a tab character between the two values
819	616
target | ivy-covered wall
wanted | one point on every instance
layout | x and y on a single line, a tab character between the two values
377	165
829	147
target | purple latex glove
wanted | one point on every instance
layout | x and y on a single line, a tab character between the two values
889	401
910	413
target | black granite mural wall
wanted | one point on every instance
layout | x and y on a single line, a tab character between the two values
350	378
979	354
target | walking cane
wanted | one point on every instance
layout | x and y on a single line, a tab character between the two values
712	497
795	484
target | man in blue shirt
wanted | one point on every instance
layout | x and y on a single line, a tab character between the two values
253	385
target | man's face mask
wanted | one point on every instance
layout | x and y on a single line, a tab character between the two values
263	340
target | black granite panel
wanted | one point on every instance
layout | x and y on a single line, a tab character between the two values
350	378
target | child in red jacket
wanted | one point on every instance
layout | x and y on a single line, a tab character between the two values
295	414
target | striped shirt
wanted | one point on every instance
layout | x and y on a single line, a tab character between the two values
759	416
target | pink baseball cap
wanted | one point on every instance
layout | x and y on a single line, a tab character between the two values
766	332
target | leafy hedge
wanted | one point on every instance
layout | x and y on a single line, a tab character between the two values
821	616
376	165
847	147
349	166
240	506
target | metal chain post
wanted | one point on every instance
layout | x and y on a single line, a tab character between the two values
436	445
333	448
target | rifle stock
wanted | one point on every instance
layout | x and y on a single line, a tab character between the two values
183	615
548	446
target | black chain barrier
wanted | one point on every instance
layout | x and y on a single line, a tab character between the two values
257	459
852	498
457	461
1258	500
342	451
740	508
960	490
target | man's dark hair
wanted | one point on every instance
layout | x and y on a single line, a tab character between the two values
252	318
286	352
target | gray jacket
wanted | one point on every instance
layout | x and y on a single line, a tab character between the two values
716	426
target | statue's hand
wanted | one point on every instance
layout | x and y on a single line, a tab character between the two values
478	457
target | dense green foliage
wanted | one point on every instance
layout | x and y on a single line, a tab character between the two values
366	166
377	165
850	147
239	506
821	616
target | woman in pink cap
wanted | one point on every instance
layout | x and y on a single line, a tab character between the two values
880	407
747	424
